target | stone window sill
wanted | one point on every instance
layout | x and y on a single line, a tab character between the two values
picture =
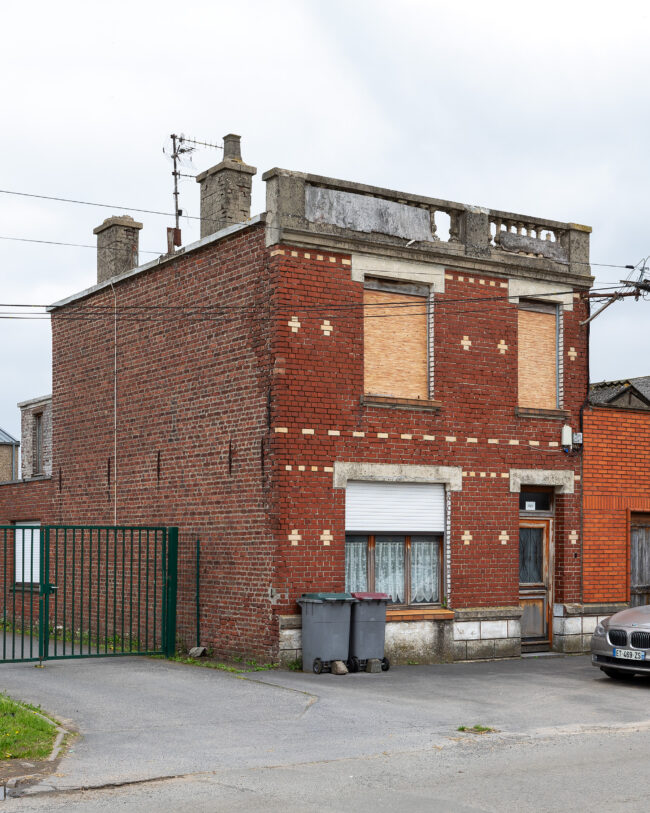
549	414
24	587
419	614
387	401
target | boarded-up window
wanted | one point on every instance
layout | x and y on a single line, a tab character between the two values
395	344
537	356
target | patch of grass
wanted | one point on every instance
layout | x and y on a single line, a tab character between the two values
23	734
249	666
476	729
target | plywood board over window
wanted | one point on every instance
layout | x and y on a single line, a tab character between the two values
537	335
395	344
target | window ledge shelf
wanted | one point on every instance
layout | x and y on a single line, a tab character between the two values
387	401
24	588
549	414
429	614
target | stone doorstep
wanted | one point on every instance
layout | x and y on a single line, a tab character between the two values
488	613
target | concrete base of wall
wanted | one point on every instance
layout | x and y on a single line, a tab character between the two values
574	624
486	633
423	641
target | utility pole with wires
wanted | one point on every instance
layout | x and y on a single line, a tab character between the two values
181	146
640	286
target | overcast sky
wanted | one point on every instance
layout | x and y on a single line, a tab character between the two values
534	108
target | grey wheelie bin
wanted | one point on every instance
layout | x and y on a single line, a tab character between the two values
325	629
368	630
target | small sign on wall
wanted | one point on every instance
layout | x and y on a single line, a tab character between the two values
530	506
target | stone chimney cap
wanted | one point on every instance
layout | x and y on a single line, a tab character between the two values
118	220
232	147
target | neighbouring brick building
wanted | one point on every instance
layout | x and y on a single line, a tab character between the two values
359	388
617	494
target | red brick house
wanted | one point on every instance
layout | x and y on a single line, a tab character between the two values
359	388
617	494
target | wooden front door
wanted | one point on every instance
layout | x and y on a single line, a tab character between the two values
640	561
534	578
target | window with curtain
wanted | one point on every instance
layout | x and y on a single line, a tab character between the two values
406	567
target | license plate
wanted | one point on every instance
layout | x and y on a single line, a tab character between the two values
629	654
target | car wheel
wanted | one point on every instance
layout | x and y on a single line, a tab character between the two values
617	674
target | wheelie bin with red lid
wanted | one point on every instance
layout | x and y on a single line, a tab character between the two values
368	630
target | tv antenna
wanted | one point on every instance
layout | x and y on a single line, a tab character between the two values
182	146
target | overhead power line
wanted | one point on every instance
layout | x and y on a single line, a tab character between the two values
74	245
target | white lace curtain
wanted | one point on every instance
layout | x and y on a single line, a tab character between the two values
389	567
356	564
425	570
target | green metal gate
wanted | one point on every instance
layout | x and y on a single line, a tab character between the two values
80	591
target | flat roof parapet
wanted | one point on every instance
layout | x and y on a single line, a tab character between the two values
301	206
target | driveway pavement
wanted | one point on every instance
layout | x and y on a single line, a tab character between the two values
144	719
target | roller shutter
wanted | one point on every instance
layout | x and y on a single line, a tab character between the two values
395	507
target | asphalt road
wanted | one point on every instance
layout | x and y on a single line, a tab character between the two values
186	738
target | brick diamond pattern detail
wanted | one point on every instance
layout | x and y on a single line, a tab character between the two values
502	347
294	537
294	324
465	341
572	354
326	537
327	328
466	537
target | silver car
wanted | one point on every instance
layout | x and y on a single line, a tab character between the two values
620	646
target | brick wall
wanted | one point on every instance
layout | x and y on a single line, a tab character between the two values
319	418
616	483
191	420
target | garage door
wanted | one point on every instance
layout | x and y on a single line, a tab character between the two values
393	507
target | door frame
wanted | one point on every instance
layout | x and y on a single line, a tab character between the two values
545	522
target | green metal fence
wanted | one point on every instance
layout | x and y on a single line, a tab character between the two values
79	591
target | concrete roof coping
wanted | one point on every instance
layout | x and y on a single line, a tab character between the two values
162	260
118	220
33	401
228	163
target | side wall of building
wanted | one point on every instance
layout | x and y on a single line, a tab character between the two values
160	418
36	446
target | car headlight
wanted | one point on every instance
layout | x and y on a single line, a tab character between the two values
600	630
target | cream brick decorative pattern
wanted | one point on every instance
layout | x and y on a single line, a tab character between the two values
465	341
288	468
294	537
314	468
301	468
505	474
277	251
294	324
466	537
428	437
513	442
406	437
504	537
326	537
319	257
533	443
503	285
358	434
333	432
483	474
493	440
553	443
327	328
472	440
572	354
573	537
328	468
449	277
450	439
307	255
502	346
493	474
346	262
307	431
282	429
382	434
294	253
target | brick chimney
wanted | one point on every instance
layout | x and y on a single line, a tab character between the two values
226	189
117	246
